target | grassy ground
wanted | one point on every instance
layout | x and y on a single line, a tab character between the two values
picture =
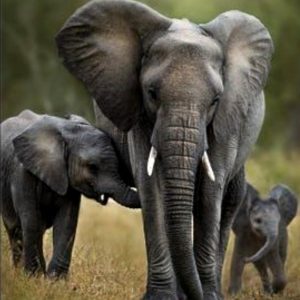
109	253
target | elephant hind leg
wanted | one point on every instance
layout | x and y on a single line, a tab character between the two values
16	242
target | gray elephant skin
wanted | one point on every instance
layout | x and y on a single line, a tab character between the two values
46	164
185	93
261	236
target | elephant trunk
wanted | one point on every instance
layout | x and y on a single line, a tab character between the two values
271	239
180	154
126	196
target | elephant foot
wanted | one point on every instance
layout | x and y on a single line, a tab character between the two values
221	296
212	296
34	271
160	295
279	285
233	290
56	275
180	293
268	289
57	271
181	296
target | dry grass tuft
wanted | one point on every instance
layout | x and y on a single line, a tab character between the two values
108	260
109	254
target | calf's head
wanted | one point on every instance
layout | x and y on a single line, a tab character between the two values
265	215
70	152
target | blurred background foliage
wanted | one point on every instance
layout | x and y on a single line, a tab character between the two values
33	77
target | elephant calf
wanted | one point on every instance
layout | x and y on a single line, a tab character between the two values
261	233
46	164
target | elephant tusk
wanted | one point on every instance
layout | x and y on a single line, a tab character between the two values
207	167
151	160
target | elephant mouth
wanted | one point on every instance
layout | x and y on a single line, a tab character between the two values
103	198
258	233
100	198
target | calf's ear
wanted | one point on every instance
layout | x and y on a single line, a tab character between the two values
41	150
287	202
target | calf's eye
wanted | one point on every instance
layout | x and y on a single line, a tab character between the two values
258	220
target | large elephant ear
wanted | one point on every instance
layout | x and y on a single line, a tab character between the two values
287	202
247	47
40	148
102	45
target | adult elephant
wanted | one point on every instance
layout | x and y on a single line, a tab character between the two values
187	92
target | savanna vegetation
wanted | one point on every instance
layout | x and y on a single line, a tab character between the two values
109	255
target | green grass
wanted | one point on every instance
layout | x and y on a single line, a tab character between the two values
109	254
269	168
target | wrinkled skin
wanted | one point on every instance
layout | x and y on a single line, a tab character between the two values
46	164
260	228
182	89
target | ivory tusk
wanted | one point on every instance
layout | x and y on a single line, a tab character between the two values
207	166
151	160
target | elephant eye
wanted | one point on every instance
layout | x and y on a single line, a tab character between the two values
258	220
93	168
152	93
215	100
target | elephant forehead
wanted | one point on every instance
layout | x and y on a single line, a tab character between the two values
182	24
183	31
188	38
264	208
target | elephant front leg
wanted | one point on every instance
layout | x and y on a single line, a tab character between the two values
277	268
237	266
233	197
264	276
34	262
32	225
16	242
207	216
64	230
161	282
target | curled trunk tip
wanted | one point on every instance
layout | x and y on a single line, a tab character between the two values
263	251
